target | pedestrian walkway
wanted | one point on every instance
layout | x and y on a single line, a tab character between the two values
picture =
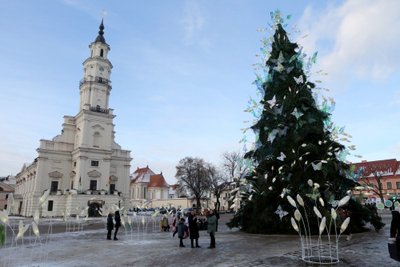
234	248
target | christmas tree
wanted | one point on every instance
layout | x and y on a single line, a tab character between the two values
296	145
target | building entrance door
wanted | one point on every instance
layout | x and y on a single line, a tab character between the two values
94	208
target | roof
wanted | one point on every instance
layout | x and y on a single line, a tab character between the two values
100	37
387	166
141	175
157	180
174	186
7	187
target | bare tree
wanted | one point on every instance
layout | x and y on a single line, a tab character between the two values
181	191
232	164
375	186
234	170
193	175
218	183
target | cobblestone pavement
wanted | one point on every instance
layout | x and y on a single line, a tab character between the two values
234	248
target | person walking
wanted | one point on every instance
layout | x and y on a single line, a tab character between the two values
181	231
211	227
193	229
171	219
110	225
117	223
175	224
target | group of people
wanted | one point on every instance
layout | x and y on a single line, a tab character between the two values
191	229
111	224
181	227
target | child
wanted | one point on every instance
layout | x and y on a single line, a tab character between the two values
181	231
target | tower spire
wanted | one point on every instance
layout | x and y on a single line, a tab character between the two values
100	37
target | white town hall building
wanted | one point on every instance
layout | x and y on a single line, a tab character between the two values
83	166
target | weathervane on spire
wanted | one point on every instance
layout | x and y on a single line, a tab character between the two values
103	14
100	37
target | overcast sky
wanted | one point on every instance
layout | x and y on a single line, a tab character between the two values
183	72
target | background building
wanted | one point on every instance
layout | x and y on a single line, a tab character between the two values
375	177
148	188
7	188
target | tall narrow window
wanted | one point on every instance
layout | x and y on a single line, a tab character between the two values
112	188
389	185
93	185
101	52
50	205
54	186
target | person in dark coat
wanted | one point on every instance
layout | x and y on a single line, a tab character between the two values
181	231
211	227
395	225
117	223
193	229
216	216
110	225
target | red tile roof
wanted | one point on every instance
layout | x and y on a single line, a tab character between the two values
141	170
157	180
139	174
389	166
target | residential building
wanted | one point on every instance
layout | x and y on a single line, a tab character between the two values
6	190
370	173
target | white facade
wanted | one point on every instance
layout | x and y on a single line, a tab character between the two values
84	160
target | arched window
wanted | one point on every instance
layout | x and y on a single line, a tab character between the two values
101	52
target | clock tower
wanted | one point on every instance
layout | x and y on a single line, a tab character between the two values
83	166
95	86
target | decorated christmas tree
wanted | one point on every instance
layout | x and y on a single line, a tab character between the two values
296	144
